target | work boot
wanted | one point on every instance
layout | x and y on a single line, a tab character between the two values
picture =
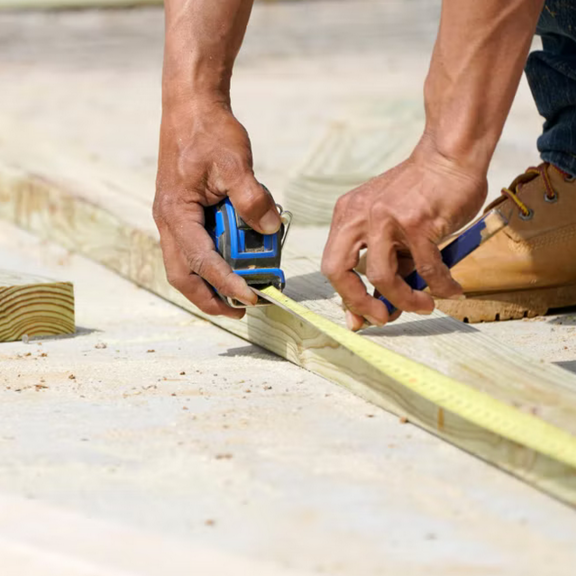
528	267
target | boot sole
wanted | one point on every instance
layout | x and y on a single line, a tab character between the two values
508	305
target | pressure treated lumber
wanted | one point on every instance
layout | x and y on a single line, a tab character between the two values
75	204
34	306
63	4
349	154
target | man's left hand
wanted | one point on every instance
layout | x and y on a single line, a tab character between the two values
400	217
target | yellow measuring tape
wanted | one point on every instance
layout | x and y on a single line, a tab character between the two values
445	392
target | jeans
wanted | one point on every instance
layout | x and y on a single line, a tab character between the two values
551	73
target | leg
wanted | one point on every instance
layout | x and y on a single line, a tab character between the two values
551	74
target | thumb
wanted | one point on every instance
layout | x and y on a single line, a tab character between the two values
255	205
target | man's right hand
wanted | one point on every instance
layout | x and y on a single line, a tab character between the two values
205	155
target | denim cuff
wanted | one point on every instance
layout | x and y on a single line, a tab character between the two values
562	160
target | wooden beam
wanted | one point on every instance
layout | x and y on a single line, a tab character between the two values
74	204
34	306
65	4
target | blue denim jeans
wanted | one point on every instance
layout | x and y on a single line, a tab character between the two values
551	73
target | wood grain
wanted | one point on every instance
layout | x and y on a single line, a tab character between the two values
91	217
34	306
350	154
61	4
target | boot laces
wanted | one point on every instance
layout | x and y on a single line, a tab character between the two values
530	174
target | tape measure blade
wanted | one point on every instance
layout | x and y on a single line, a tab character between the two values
454	396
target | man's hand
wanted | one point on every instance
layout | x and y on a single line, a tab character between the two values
400	217
205	152
205	156
477	63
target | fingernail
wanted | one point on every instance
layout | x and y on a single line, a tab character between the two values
375	322
247	301
424	312
270	222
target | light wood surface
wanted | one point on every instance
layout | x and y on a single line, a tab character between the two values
107	217
87	546
34	306
62	4
83	175
349	154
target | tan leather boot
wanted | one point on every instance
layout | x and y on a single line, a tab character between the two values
530	266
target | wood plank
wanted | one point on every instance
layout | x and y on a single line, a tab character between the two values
349	154
112	224
34	306
63	4
90	546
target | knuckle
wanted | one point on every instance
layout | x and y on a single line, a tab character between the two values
379	277
379	280
413	222
162	206
358	303
177	281
329	269
428	270
353	302
254	202
380	212
342	206
226	284
198	264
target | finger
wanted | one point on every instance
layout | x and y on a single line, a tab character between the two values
201	256
354	322
190	284
382	271
255	205
430	266
203	296
395	315
340	258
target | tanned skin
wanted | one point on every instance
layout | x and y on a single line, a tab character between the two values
205	153
399	216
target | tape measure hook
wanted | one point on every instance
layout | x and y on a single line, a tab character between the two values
286	218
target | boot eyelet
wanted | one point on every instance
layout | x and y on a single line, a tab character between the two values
551	199
569	178
527	216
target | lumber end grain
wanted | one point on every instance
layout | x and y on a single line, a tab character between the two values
34	306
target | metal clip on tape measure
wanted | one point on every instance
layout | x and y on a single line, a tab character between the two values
254	256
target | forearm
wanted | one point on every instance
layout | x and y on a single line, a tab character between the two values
203	38
476	67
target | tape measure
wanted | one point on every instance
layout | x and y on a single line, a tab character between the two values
254	256
443	391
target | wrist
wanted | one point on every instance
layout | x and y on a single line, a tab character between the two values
192	96
435	156
195	88
459	149
456	129
189	76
